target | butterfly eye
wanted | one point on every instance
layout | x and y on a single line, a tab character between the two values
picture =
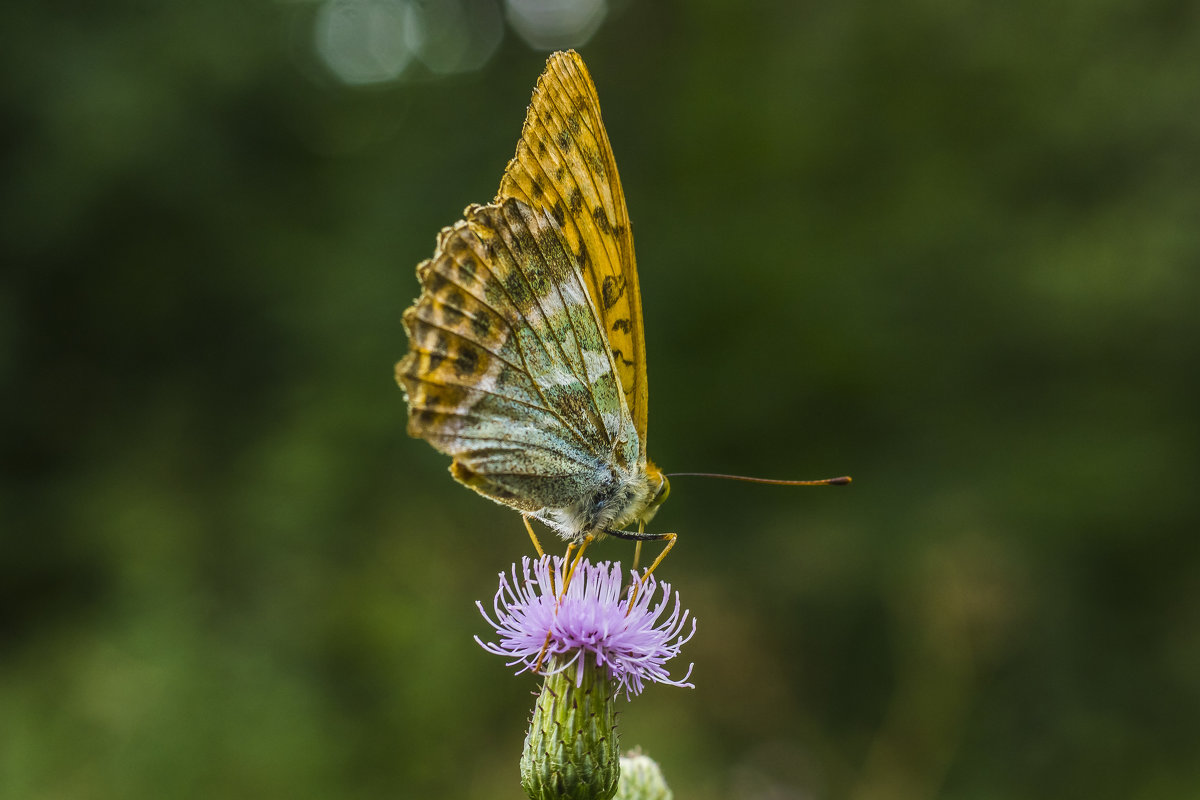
664	489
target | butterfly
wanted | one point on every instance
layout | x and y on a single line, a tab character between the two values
527	359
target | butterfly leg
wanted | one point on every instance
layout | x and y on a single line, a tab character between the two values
587	539
637	551
566	559
533	536
633	597
637	559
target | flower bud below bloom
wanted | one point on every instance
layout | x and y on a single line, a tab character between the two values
571	750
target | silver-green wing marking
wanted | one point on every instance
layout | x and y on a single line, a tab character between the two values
508	370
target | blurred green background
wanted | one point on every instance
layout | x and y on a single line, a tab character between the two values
952	249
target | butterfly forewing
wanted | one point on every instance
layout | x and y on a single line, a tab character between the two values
564	163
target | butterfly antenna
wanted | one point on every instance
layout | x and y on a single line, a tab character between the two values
842	481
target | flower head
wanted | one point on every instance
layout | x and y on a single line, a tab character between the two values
593	623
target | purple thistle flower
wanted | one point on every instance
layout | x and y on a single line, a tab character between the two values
590	623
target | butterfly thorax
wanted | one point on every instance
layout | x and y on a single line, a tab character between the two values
624	501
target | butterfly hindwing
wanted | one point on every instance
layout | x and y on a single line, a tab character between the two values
508	371
564	163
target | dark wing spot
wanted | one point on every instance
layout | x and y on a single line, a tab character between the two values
575	201
535	189
450	315
455	246
573	123
541	147
452	396
438	354
613	289
518	290
601	220
482	325
559	215
595	162
560	172
426	419
467	362
619	356
564	141
621	325
516	244
466	270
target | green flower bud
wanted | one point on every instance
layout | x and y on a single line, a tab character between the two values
641	779
571	748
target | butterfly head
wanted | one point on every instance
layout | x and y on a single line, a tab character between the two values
660	488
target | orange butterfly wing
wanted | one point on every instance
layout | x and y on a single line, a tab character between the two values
565	163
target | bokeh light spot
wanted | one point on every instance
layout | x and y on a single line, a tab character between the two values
556	24
363	41
452	36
